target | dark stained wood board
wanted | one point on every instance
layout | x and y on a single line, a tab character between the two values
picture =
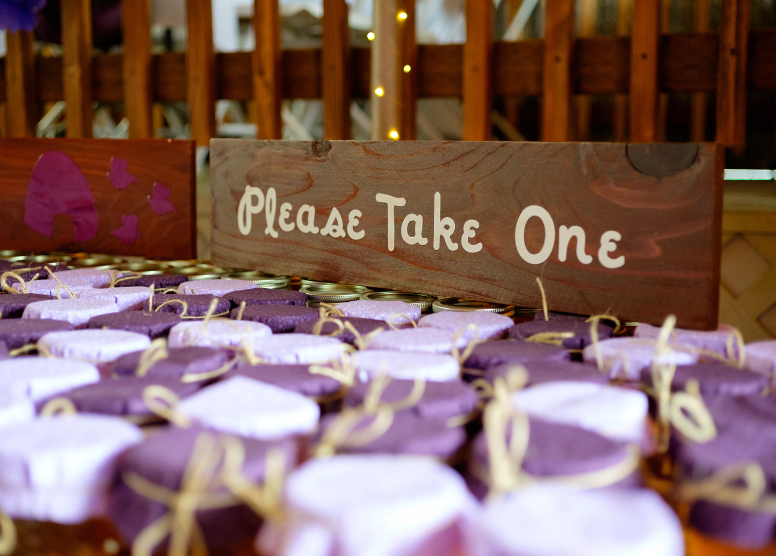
170	235
668	212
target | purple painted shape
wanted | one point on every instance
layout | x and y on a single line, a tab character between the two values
158	200
118	175
128	233
56	187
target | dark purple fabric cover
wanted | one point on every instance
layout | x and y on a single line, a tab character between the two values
280	318
159	281
153	325
180	361
162	460
363	326
264	296
579	328
297	378
554	449
715	378
123	396
551	371
12	305
197	305
408	434
491	354
20	332
441	400
560	316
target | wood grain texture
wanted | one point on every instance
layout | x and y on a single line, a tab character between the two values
670	225
200	71
409	80
385	80
644	71
688	63
556	79
171	163
136	33
267	69
77	66
477	71
731	81
22	118
336	57
699	101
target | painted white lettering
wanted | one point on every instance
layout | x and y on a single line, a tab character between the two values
608	245
334	226
468	233
269	211
391	202
443	227
564	237
310	227
285	212
353	217
417	237
549	234
247	209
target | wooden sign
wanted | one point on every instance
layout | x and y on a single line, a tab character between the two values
134	197
632	229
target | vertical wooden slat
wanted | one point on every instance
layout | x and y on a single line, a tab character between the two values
386	83
511	103
409	79
76	65
136	23
556	80
731	76
699	101
583	103
200	71
643	71
19	85
336	82
621	101
267	70
477	72
662	99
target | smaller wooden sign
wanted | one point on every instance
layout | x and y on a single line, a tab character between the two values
121	197
630	229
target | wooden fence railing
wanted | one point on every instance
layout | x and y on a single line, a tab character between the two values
643	65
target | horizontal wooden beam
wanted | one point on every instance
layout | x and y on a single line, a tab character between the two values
688	63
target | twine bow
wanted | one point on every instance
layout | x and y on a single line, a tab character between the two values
461	357
7	535
156	352
342	431
27	348
114	277
196	493
57	407
60	286
330	310
23	285
550	338
163	402
403	316
741	485
342	370
241	310
544	299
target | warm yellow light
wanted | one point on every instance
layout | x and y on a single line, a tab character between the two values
379	91
407	69
394	135
402	15
370	35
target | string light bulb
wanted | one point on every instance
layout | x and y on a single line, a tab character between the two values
407	68
379	91
402	15
394	134
370	35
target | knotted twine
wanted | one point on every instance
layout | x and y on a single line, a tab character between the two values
342	433
7	535
23	285
741	485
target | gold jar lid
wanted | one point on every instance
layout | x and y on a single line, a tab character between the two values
334	293
40	259
7	254
309	282
463	304
420	300
200	273
145	269
263	279
179	263
100	263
